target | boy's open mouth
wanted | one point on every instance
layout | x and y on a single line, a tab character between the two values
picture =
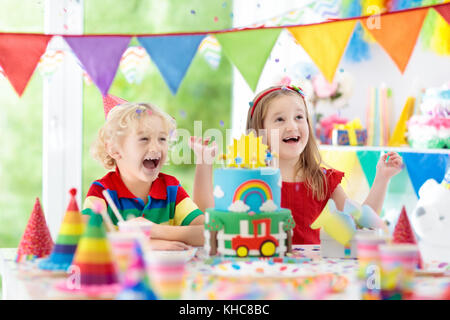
293	139
151	163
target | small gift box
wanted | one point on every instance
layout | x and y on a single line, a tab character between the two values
350	133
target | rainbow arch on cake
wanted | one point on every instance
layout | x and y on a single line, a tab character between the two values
250	187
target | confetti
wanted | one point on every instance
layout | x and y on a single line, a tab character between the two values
183	113
224	5
216	19
192	11
277	60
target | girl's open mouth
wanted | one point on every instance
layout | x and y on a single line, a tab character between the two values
293	139
151	163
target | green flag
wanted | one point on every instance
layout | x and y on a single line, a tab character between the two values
249	50
368	161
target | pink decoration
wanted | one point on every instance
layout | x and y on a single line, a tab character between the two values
322	87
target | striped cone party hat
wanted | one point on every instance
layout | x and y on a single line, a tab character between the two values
36	241
93	272
136	285
70	233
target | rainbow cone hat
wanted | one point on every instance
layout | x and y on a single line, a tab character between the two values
66	243
136	285
36	241
93	272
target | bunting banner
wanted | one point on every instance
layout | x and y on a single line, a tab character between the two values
444	12
368	161
435	163
325	43
100	56
19	56
397	33
317	27
249	50
172	55
354	182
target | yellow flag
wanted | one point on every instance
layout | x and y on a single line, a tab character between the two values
398	138
325	43
354	182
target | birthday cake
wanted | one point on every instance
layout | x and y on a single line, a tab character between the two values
431	129
247	219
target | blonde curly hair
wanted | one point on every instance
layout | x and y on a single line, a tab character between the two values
119	121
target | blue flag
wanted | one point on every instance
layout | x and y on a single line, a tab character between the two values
172	55
424	166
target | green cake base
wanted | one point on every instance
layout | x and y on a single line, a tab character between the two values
241	234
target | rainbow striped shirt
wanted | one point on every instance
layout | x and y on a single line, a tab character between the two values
168	203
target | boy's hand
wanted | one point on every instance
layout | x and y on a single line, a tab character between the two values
391	167
140	219
158	244
204	153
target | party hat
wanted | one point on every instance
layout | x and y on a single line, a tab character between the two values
93	269
36	241
110	101
339	225
403	232
66	243
136	284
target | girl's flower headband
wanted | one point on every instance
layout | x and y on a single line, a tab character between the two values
291	87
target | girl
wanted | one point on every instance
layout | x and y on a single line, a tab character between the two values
280	114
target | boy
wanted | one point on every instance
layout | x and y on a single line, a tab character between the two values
134	141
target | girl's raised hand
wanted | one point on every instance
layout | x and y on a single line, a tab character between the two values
204	152
390	164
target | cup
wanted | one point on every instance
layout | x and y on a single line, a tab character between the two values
136	226
122	244
367	250
398	263
167	273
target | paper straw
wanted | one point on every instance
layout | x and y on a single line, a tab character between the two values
108	222
112	205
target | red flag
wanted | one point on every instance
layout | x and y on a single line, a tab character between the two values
444	11
403	232
19	56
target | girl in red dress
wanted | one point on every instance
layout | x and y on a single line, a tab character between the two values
280	115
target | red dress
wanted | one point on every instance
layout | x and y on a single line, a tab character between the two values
305	209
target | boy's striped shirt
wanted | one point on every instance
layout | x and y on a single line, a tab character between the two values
168	203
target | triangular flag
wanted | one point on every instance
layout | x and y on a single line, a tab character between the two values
403	232
70	232
398	138
325	43
172	55
398	34
249	50
19	56
100	56
36	241
354	184
368	161
110	101
444	11
424	166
